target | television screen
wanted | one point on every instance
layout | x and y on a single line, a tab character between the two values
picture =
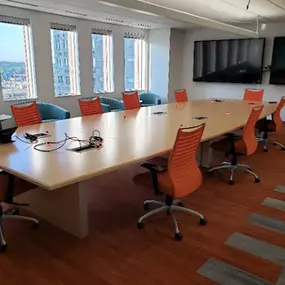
277	75
234	61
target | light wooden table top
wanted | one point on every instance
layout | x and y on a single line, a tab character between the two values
129	137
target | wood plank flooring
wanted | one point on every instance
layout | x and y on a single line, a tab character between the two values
116	252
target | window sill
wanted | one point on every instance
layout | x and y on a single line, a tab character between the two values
64	96
103	93
20	100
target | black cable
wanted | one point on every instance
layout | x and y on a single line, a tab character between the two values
24	141
94	140
247	6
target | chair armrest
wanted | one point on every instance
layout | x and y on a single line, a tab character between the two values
106	108
153	167
58	113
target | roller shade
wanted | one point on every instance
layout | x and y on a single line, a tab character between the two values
15	21
101	32
134	36
62	27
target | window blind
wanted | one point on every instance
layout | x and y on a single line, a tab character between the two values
62	27
101	32
15	21
134	36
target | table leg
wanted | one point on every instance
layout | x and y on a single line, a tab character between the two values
205	154
66	208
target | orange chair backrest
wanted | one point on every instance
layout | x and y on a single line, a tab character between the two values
248	136
183	170
181	95
276	115
26	115
90	106
253	95
131	100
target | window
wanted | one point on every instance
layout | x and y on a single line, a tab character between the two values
17	75
69	66
57	44
135	62
102	53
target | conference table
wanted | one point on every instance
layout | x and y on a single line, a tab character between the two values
61	192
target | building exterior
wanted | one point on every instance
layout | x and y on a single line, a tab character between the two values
129	64
61	72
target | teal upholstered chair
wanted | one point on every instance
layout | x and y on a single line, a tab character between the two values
149	99
50	112
112	103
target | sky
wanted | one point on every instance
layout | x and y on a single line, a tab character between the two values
12	43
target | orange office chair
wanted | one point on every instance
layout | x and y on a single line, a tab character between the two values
131	100
181	95
271	126
180	178
26	114
253	95
243	145
90	106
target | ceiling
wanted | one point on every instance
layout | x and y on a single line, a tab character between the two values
230	11
148	14
101	12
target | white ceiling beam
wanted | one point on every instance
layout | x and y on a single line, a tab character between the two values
180	16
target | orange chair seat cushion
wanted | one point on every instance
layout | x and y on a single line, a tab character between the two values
266	126
225	145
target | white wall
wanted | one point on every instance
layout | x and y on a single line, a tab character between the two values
159	45
40	24
198	90
177	39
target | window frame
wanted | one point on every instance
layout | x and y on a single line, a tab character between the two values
144	60
29	58
108	75
72	59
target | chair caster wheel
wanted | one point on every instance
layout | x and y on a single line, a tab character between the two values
282	148
203	222
265	150
146	207
35	225
231	182
140	225
180	204
256	180
178	236
3	247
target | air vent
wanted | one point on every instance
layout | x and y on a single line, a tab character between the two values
23	3
144	26
76	13
114	20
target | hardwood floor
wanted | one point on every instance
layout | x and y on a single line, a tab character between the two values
116	252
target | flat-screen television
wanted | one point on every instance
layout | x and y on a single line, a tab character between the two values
234	61
277	75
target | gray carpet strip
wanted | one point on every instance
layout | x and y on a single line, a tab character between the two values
274	203
281	280
257	247
280	189
267	223
226	274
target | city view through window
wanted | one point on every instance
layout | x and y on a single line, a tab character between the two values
134	63
15	62
65	62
